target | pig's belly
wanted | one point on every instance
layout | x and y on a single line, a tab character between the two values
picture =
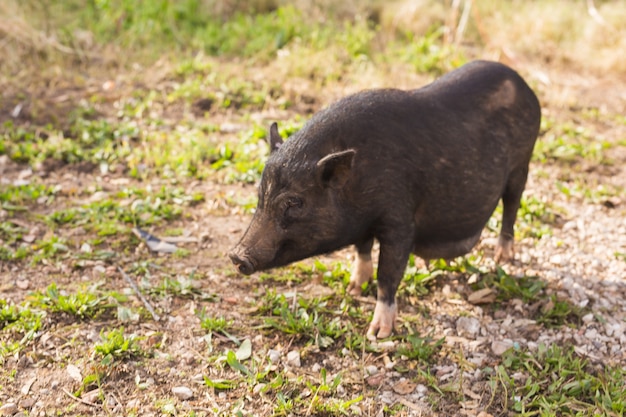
442	234
445	249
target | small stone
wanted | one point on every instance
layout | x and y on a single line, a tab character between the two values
316	367
421	390
258	388
371	369
587	318
27	402
8	409
404	387
182	393
293	359
91	396
468	327
27	386
273	355
387	345
22	284
498	347
74	373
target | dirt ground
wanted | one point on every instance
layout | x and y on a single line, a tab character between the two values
579	261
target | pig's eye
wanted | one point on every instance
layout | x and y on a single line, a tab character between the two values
293	202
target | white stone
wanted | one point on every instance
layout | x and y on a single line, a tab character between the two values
182	393
498	347
8	409
273	355
293	359
371	369
468	327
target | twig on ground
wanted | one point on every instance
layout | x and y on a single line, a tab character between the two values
143	299
80	400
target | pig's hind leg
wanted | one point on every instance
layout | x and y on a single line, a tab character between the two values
510	201
362	270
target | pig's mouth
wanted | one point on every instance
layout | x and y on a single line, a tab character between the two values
247	264
244	264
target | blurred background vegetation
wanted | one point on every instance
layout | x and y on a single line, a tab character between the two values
581	33
108	81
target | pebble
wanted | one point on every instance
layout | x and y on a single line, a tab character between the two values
8	409
22	284
27	402
293	359
498	347
182	393
587	318
387	345
371	369
468	327
273	355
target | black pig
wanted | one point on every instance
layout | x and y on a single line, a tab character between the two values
421	171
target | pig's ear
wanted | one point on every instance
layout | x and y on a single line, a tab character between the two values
274	139
333	170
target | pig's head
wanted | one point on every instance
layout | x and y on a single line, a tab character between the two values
298	213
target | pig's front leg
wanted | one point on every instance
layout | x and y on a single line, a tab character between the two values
362	269
391	265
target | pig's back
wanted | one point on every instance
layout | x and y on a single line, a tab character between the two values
443	152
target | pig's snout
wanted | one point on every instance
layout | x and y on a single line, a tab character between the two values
243	263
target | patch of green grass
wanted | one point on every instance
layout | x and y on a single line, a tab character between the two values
526	288
244	160
83	304
337	276
427	53
19	324
18	195
52	247
590	190
97	141
556	381
117	346
324	401
419	348
559	312
19	318
535	218
311	320
416	281
127	208
570	144
213	324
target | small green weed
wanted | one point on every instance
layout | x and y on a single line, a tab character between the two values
213	324
570	145
556	381
527	288
416	281
51	248
428	54
116	346
82	304
309	319
17	195
19	324
559	312
535	218
131	206
419	348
